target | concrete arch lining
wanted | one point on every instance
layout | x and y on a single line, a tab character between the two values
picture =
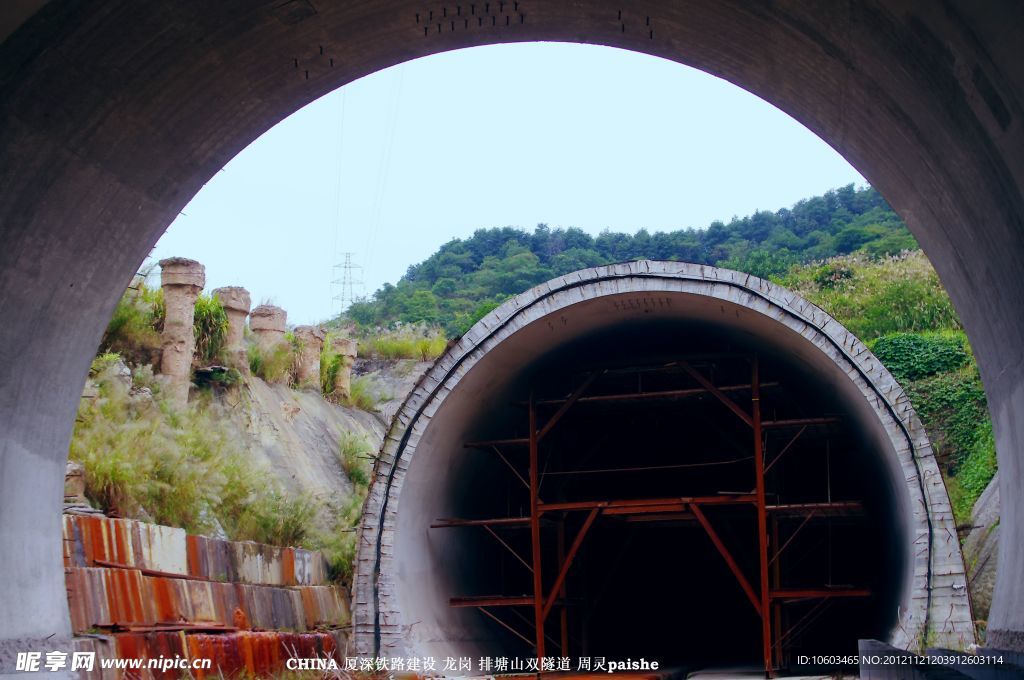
933	604
113	114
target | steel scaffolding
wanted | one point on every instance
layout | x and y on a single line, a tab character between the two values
765	592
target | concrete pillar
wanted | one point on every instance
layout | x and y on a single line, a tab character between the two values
182	281
236	303
311	341
343	382
268	323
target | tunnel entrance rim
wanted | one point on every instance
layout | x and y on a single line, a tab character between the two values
934	605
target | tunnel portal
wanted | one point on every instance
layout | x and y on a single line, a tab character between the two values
658	460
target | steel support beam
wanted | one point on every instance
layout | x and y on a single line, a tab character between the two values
721	396
538	593
565	406
564	571
727	556
642	505
762	515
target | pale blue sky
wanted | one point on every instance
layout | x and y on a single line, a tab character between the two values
397	163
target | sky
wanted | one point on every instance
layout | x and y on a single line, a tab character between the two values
392	166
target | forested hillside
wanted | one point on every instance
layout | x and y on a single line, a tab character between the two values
466	278
846	251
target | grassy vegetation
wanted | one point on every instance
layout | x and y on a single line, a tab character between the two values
210	328
973	474
875	297
275	364
421	342
339	544
362	394
178	467
353	454
134	328
913	356
899	307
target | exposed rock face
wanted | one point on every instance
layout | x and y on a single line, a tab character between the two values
182	280
981	548
268	323
296	435
311	342
390	382
236	304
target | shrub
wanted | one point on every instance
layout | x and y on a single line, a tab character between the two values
831	274
763	263
465	320
973	475
912	356
953	408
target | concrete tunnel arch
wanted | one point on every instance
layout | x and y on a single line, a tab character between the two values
402	577
114	114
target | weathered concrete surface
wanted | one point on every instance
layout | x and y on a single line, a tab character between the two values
236	304
268	323
307	367
113	114
401	581
182	281
346	347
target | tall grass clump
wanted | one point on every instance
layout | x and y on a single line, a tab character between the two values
275	517
275	364
414	341
354	453
362	394
331	364
210	328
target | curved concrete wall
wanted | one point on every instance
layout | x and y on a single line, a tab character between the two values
401	582
113	114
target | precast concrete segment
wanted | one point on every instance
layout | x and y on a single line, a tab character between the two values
114	114
392	610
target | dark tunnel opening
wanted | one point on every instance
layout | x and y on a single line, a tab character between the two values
650	581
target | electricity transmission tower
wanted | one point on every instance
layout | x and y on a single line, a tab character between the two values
346	277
